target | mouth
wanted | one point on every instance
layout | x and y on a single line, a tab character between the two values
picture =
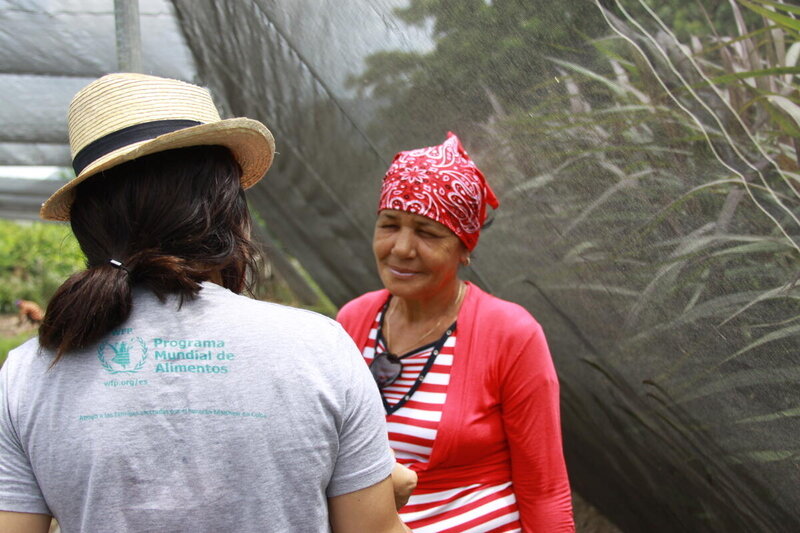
402	273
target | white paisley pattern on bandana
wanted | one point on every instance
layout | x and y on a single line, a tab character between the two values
442	183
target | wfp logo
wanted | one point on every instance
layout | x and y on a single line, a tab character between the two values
125	357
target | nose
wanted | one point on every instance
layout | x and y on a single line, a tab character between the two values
403	245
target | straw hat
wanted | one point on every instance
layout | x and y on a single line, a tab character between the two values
121	117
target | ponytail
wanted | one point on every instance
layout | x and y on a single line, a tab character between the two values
86	306
169	221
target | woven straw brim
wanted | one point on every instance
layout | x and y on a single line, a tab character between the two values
250	142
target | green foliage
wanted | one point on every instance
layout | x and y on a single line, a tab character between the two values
35	259
694	147
689	226
499	54
485	51
708	136
698	17
654	182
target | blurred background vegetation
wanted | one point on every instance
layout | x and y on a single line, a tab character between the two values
36	257
650	155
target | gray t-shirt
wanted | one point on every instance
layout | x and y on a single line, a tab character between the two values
229	414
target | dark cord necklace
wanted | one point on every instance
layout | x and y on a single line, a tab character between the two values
437	348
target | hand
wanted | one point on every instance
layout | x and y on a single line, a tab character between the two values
404	481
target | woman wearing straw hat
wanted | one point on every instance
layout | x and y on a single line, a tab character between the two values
468	385
156	398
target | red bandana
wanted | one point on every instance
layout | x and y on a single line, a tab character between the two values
442	183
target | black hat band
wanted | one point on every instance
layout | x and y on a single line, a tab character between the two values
124	137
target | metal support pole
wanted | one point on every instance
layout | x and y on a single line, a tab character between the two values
129	39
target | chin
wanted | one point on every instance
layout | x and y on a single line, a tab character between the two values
400	288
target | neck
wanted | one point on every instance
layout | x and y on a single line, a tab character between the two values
410	323
444	302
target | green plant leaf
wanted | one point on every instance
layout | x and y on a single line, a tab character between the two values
615	86
755	33
791	108
787	124
762	377
768	456
785	7
735	76
786	413
711	309
770	337
783	20
777	292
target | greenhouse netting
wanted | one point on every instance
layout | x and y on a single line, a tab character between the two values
646	159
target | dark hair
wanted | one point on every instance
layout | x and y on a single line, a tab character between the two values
173	219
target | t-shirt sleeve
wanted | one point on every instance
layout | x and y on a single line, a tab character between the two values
364	457
18	488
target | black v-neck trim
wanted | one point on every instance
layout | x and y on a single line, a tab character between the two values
436	349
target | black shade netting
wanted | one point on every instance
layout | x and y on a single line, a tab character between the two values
646	159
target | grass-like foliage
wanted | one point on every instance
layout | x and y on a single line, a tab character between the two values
694	149
651	169
35	258
689	235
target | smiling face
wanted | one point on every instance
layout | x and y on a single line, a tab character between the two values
417	257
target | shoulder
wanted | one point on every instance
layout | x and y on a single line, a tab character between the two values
507	335
301	338
501	316
213	297
29	348
23	361
253	325
259	314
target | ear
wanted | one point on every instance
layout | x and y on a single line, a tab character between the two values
464	258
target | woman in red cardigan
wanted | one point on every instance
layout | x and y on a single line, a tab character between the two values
467	381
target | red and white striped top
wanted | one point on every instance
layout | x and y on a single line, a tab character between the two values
412	435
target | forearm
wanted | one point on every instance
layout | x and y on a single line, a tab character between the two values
11	522
371	509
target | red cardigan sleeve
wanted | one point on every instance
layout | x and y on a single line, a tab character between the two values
530	407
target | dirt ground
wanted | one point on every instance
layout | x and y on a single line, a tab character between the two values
10	326
587	518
